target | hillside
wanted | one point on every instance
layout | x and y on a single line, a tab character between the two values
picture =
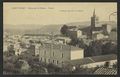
38	29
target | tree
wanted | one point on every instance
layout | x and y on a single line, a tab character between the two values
53	69
95	48
6	54
64	30
31	41
83	71
109	48
11	49
9	65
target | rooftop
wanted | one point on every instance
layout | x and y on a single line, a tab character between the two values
105	71
93	59
62	38
60	46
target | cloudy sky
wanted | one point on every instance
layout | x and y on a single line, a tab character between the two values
55	13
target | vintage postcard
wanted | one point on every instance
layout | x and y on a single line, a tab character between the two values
60	38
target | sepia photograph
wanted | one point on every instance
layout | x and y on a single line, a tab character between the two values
60	38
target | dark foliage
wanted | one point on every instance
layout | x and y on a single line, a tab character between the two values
64	30
109	48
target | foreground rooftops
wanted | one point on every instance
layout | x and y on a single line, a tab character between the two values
105	71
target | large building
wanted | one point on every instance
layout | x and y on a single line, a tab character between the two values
58	53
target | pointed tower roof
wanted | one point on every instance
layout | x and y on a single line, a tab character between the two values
94	13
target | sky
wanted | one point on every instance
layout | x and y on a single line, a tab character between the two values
54	13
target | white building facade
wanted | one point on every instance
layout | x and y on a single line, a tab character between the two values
57	54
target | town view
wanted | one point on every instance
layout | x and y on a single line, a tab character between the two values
85	47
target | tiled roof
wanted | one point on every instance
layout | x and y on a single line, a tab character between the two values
79	61
104	57
93	59
105	71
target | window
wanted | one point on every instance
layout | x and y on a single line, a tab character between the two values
57	61
62	55
53	61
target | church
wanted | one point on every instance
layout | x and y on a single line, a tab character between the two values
97	30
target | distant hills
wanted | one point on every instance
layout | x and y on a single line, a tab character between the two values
45	29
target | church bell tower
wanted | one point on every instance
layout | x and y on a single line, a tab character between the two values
94	20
